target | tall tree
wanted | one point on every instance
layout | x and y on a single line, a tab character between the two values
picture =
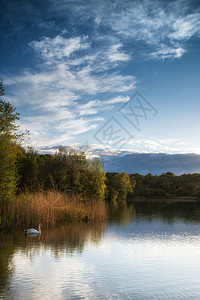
8	148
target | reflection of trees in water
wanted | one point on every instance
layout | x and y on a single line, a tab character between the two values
61	240
8	246
169	211
9	243
120	212
7	249
64	239
67	239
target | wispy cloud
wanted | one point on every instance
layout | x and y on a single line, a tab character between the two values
119	99
95	106
158	24
61	88
184	27
167	52
59	47
114	54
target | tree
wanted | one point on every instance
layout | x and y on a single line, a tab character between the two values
118	186
196	191
8	148
92	180
8	117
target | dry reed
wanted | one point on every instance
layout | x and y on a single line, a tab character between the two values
50	209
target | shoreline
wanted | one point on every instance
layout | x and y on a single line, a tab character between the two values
167	199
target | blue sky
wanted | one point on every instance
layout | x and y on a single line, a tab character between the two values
73	69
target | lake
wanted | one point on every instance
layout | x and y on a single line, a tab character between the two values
146	250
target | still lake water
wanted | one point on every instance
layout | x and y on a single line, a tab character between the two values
147	250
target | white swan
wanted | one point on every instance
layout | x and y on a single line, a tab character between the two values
33	231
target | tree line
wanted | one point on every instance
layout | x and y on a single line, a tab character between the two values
166	185
64	171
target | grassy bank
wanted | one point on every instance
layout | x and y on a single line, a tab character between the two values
51	209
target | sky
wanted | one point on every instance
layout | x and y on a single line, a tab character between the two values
112	78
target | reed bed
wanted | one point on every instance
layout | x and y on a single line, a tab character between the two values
50	209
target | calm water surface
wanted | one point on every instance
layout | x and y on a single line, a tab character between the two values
147	250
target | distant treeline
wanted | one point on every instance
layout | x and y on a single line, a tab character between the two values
166	185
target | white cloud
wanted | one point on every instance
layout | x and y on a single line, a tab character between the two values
185	28
58	47
167	52
90	108
47	130
93	107
119	99
161	145
115	55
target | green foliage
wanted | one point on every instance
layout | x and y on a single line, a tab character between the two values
92	180
167	185
196	191
118	186
8	149
28	170
8	116
65	171
8	172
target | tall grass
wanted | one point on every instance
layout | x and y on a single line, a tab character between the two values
50	209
